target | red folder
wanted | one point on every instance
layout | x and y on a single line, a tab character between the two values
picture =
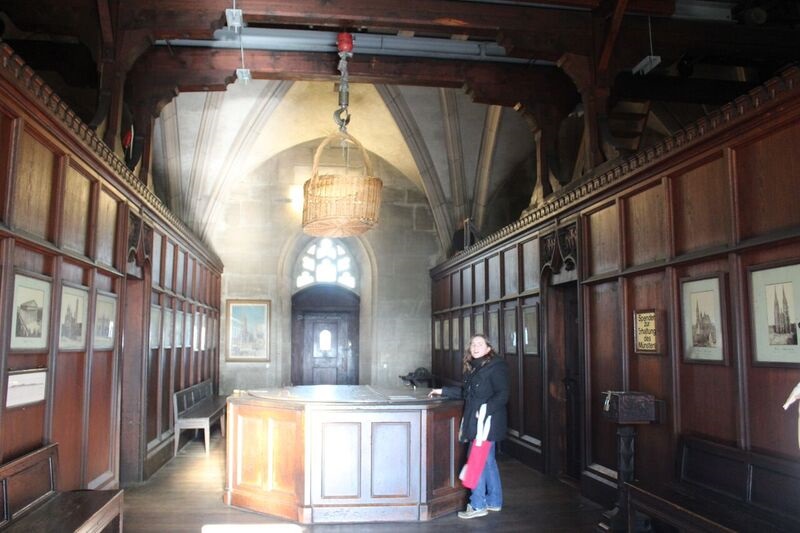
478	452
471	472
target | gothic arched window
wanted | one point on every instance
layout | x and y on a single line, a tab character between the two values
326	261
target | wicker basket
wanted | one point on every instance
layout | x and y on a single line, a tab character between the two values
340	206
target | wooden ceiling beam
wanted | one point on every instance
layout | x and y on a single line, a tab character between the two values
162	71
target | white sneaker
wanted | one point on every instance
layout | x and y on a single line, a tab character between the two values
495	509
472	513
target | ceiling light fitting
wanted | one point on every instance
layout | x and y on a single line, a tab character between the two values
341	205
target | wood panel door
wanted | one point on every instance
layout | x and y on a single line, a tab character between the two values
325	336
327	350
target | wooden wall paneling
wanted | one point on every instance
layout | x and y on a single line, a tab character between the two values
135	364
467	283
23	429
77	202
493	274
180	271
702	210
107	224
8	136
767	385
514	361
36	170
169	263
455	289
480	281
32	261
511	271
531	269
153	378
156	260
645	225
652	373
190	277
703	386
166	383
602	239
100	466
766	179
67	416
604	364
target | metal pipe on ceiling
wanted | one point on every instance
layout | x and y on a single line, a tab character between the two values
281	40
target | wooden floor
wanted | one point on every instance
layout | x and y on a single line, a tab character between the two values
186	495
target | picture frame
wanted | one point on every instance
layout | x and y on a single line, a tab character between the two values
31	313
703	322
437	334
530	330
645	332
467	325
25	387
105	321
73	321
774	293
248	330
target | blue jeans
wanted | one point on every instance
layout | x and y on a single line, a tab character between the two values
489	491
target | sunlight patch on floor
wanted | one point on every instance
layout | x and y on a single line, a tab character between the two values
252	528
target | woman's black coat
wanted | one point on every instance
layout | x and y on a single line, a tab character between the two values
486	385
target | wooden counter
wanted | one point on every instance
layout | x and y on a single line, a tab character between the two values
343	453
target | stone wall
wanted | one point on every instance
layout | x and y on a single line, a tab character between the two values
258	236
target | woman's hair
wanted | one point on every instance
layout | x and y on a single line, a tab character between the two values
466	367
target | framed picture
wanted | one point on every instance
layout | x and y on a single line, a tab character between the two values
31	320
248	330
530	330
437	335
467	331
73	322
645	332
456	337
775	314
446	334
25	387
105	321
703	326
478	324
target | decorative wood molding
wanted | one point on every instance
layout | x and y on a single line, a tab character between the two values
774	91
14	69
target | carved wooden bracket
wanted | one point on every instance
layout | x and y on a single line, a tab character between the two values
140	241
560	249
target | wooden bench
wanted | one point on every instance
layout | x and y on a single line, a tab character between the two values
30	501
721	488
197	407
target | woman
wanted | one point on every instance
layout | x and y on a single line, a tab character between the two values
485	382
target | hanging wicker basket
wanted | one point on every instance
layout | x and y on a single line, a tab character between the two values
340	206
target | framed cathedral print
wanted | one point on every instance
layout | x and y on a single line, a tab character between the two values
774	293
248	330
701	314
72	326
31	318
105	318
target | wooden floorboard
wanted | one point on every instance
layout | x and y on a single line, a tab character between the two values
186	495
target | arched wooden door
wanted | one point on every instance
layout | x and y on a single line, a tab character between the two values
325	336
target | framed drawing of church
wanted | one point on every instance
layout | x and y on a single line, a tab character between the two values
31	313
774	295
703	326
248	330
